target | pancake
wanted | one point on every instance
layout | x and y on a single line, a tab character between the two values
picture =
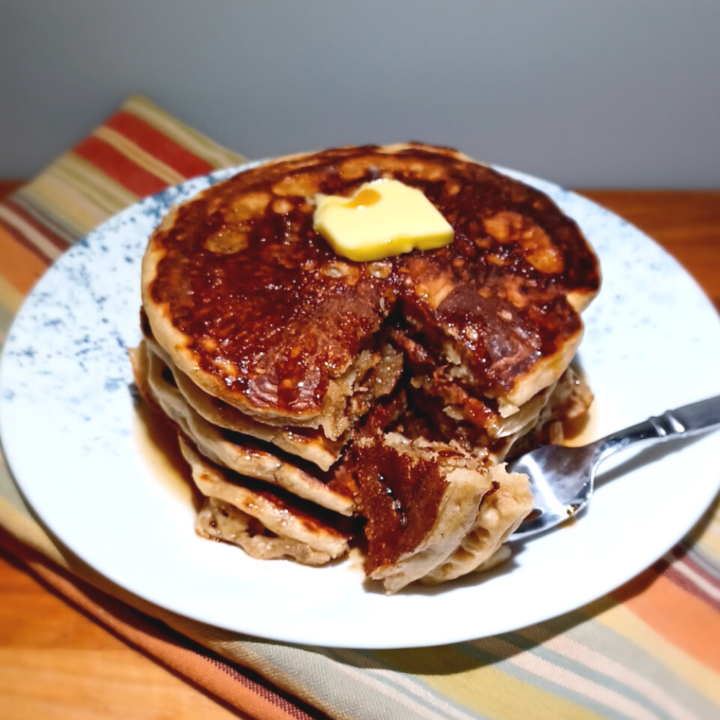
307	386
234	452
252	303
569	403
279	514
307	443
218	520
501	511
421	502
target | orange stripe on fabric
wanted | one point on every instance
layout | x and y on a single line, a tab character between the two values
681	618
120	168
20	265
158	145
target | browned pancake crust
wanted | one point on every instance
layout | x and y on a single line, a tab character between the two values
265	307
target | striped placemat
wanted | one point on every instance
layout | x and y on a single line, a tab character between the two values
649	650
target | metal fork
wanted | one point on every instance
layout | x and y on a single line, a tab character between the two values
562	478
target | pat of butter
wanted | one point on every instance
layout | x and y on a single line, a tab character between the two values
382	219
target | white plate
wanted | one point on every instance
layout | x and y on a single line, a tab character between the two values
67	420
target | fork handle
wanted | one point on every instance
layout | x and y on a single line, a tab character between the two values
681	422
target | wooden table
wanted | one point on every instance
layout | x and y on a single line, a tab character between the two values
56	663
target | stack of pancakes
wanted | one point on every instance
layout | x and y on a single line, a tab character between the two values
322	402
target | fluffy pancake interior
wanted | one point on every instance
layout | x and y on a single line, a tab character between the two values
420	500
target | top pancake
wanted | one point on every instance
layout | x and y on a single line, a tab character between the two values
255	306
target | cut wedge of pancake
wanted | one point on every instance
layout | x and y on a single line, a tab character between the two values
253	305
421	502
501	511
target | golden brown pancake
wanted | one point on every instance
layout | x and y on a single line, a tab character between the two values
308	443
280	515
265	520
232	451
252	303
218	520
405	381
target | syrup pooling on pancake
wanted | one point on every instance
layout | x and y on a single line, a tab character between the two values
242	287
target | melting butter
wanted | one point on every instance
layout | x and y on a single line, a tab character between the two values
383	219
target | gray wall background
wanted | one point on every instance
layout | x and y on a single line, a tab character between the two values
603	93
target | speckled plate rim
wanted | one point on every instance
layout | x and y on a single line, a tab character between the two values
66	419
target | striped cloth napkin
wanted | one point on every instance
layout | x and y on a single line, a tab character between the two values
649	650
